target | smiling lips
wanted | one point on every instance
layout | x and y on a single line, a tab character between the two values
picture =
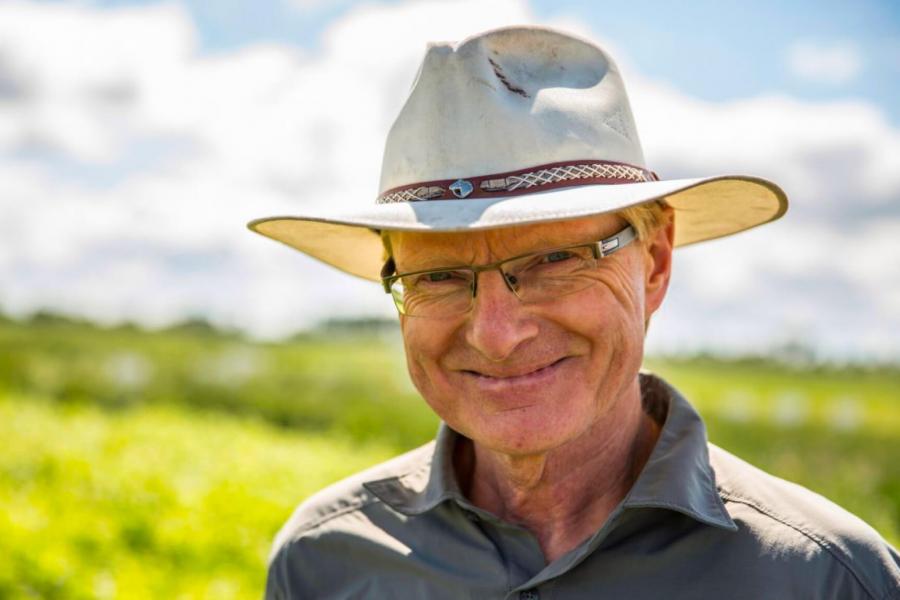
515	376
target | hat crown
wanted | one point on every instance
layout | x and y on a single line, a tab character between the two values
510	99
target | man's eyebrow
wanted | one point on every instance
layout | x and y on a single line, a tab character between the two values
564	237
549	242
421	260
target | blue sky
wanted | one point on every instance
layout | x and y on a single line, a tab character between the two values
721	50
138	138
716	50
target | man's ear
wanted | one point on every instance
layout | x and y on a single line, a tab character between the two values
658	264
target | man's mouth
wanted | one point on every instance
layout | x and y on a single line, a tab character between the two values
515	373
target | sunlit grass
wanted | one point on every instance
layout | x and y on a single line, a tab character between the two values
138	465
151	503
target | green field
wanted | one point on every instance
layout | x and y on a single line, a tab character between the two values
160	465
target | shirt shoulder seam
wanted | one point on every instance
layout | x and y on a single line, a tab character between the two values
365	499
311	524
834	552
412	470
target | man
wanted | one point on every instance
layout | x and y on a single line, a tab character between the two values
526	247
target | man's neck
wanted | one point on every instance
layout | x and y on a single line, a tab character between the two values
566	494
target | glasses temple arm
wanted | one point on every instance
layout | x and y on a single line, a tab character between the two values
619	240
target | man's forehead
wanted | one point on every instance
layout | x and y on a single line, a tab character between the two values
476	246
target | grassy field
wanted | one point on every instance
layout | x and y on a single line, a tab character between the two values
160	465
150	503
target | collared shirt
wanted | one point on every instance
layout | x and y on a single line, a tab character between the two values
697	523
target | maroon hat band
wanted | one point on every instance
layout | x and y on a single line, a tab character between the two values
525	181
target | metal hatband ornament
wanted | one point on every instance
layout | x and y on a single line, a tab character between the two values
513	183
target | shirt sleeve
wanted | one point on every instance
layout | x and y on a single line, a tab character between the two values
277	580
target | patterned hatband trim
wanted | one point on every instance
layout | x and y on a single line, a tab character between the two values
513	183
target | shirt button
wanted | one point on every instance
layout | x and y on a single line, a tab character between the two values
529	595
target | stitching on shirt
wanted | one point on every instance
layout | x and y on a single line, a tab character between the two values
679	508
400	480
710	474
363	501
835	552
318	522
406	475
412	470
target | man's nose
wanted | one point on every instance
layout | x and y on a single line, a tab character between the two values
499	322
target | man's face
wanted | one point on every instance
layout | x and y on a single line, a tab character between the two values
525	378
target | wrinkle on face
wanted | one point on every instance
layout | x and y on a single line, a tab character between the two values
545	394
414	250
595	334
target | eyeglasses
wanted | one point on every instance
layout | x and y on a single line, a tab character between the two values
534	277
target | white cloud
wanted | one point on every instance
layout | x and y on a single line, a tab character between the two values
127	154
74	78
130	163
835	159
823	275
833	64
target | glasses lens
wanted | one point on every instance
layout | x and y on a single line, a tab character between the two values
433	294
534	278
552	274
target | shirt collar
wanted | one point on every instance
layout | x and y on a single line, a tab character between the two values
428	480
677	475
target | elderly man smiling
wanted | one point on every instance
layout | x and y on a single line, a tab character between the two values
526	247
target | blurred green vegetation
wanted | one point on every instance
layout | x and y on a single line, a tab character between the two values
154	502
160	465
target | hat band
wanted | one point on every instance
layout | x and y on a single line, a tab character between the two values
525	181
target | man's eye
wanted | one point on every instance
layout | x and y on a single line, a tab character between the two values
438	277
558	256
443	278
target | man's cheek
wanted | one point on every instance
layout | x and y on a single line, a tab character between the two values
425	374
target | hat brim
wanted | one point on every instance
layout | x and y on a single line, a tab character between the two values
705	208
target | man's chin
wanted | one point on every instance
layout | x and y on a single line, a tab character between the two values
532	426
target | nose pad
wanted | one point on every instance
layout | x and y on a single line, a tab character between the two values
512	282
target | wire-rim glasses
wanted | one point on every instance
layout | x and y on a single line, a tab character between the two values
534	277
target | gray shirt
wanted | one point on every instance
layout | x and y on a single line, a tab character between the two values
698	523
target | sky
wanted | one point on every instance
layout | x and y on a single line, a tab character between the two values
138	137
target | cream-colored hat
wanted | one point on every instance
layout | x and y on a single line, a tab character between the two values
514	126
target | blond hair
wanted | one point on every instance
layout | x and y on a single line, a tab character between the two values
646	218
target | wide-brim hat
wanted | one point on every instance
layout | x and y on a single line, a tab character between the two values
516	126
